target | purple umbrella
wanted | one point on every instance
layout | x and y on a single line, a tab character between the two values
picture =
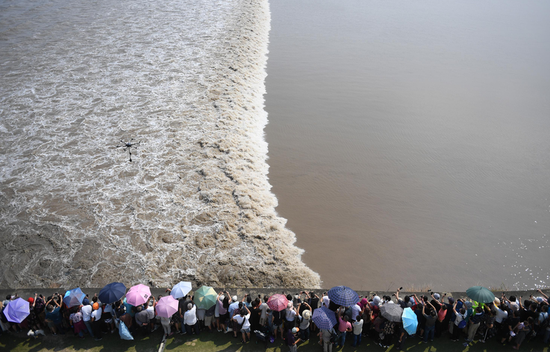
167	306
17	310
138	295
324	318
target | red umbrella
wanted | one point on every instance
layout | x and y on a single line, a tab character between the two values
277	302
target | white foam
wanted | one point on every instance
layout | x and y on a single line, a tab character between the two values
186	78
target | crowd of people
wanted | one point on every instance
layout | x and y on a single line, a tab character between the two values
508	319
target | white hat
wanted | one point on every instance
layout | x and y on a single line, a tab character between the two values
235	298
295	330
306	314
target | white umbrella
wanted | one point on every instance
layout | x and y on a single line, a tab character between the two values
181	289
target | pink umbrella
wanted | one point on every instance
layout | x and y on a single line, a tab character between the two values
277	302
167	306
138	295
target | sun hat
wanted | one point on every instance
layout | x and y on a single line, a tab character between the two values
235	298
496	302
306	314
437	296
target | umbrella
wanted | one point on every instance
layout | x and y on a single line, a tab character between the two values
410	321
324	318
391	311
181	289
73	297
17	310
277	302
480	294
205	297
167	306
112	292
138	295
343	296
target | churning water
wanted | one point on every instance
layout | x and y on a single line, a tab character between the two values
185	79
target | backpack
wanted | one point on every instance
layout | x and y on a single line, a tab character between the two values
389	328
333	336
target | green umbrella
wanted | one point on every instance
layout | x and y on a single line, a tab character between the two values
480	294
205	297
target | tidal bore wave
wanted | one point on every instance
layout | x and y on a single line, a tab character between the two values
186	80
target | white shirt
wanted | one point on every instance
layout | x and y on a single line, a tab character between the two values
290	314
355	311
190	317
358	327
240	318
86	312
263	309
151	312
500	315
96	314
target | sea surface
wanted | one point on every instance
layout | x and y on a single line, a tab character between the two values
180	85
409	142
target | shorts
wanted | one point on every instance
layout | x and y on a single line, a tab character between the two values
246	331
208	320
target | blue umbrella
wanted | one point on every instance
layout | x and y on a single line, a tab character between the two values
112	292
181	289
343	295
410	321
324	318
74	297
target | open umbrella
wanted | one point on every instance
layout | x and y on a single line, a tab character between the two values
343	296
480	294
17	310
410	321
138	295
391	311
181	289
205	297
277	302
324	318
73	297
166	306
112	292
